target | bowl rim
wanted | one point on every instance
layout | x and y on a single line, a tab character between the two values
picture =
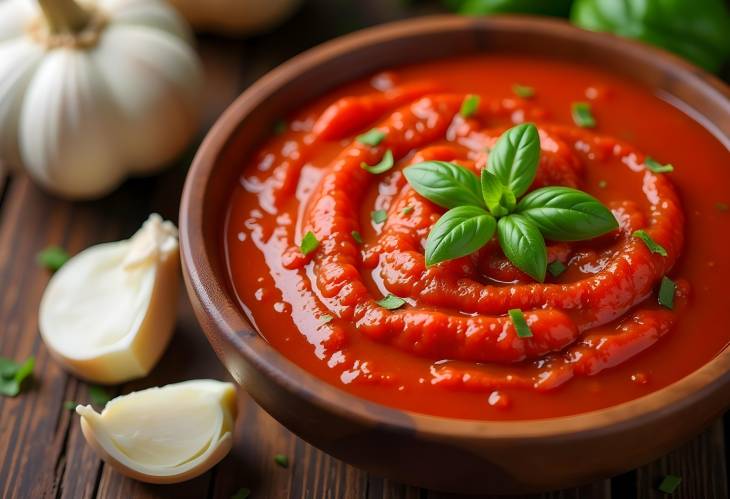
229	320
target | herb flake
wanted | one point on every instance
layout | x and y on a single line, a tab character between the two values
523	91
391	302
724	207
371	138
356	236
52	258
469	106
281	460
326	319
582	115
379	216
667	290
653	246
406	210
70	405
556	268
520	323
309	243
13	374
242	493
656	167
98	395
669	484
385	164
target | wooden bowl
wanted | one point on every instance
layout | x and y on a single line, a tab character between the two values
435	452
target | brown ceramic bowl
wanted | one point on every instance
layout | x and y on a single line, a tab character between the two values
435	452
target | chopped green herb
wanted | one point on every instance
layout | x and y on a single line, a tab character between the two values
98	395
281	460
372	137
309	243
357	237
523	91
280	127
582	115
519	322
406	210
602	184
242	493
13	374
556	268
656	166
379	216
653	246
391	302
670	484
722	206
70	405
326	319
52	258
667	289
383	166
469	106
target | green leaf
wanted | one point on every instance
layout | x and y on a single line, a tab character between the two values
391	302
446	184
669	484
70	405
515	157
667	290
13	374
582	115
98	395
566	214
242	493
656	167
309	243
52	258
519	322
459	232
469	106
383	166
281	460
379	216
356	236
558	8
406	210
522	243
653	246
371	138
523	91
556	268
498	198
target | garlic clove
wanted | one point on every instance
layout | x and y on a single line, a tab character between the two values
108	314
164	435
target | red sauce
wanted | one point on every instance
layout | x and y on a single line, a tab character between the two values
599	335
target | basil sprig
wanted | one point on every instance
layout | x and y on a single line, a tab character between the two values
479	207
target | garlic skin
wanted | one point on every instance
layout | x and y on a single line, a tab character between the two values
164	435
108	314
236	17
81	111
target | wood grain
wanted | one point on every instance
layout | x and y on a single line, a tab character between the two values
42	451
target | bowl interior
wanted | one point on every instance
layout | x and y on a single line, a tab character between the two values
248	122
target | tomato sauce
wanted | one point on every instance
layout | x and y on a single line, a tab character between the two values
600	336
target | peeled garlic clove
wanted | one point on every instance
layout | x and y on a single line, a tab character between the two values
164	435
108	314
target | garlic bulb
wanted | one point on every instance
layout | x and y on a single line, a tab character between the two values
108	314
235	17
93	92
164	435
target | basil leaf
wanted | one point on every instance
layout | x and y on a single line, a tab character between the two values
523	244
13	374
52	258
383	166
565	214
391	302
459	232
446	184
515	157
498	198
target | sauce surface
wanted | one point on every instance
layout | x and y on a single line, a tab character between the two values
600	337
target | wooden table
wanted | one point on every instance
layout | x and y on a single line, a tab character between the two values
43	452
